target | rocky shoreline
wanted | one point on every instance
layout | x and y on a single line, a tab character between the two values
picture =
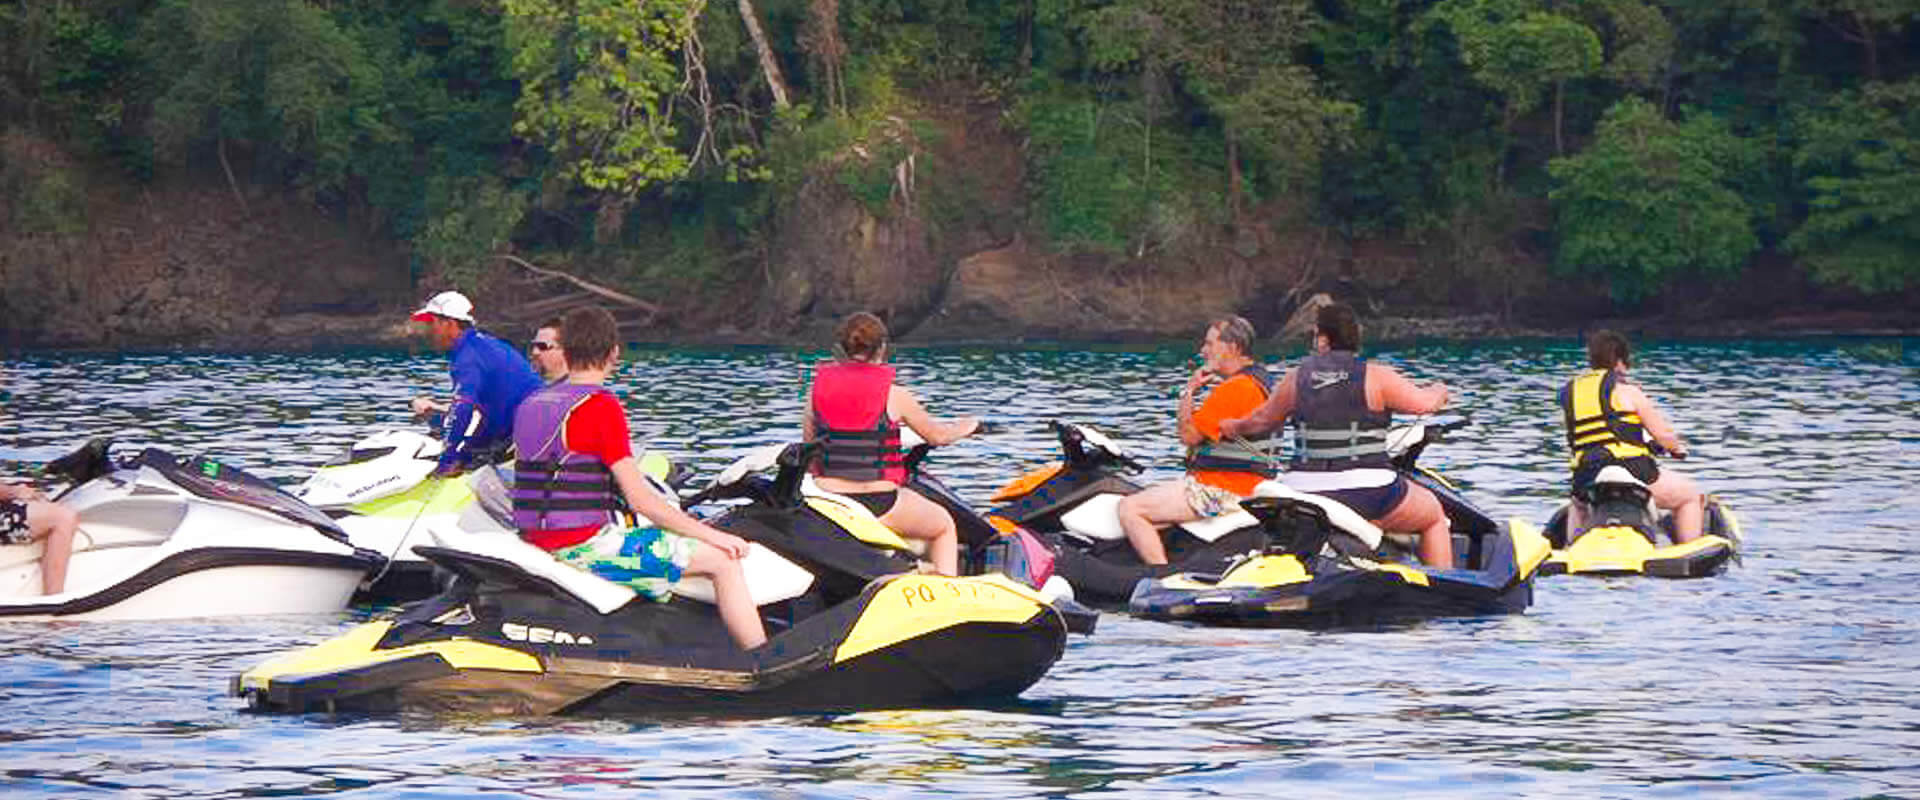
389	330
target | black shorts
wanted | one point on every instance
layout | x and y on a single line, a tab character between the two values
13	523
1374	502
1643	468
877	502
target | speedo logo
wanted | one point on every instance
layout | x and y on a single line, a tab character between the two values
539	635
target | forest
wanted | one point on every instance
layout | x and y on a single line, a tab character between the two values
1631	144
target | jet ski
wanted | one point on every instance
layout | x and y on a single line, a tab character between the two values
383	493
165	537
1076	502
850	626
1323	566
1624	535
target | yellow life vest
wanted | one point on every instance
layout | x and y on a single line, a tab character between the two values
1595	429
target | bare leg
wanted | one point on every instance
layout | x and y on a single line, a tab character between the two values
730	595
1576	518
1419	512
54	525
1144	512
1679	494
916	517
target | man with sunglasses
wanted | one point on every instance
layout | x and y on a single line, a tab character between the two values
544	351
489	381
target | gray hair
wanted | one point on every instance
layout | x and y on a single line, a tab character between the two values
1235	330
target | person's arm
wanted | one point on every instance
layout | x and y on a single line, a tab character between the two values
1269	415
464	415
1190	433
647	503
1399	395
1628	397
905	407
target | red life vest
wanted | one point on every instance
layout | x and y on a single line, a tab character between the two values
862	443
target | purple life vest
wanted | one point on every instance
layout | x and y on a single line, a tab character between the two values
555	488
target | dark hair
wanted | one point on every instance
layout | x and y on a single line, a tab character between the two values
1234	330
1605	348
861	336
587	337
1336	322
551	322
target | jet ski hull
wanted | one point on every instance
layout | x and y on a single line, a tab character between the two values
1281	590
906	641
1629	549
162	538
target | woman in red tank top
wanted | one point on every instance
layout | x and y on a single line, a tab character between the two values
855	410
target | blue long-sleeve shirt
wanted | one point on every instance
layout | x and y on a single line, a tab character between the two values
490	378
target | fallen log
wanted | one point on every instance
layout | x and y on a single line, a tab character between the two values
589	286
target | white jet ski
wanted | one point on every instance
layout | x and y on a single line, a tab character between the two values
383	493
162	537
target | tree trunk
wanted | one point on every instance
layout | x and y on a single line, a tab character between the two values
768	66
1559	114
1233	173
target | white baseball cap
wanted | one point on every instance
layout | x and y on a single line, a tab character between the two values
452	305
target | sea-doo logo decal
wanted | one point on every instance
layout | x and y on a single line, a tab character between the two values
1322	380
539	635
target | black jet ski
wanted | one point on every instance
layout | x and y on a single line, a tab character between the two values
1325	565
849	627
1252	567
1626	535
162	537
1074	504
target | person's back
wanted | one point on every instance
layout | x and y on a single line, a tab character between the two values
854	410
1609	422
1342	408
490	378
500	379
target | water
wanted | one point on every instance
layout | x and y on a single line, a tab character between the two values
1794	674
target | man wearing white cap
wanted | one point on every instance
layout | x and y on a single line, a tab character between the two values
490	378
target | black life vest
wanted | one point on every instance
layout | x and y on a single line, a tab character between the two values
1333	427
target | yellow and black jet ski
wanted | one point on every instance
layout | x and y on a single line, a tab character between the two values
1624	535
1324	565
850	627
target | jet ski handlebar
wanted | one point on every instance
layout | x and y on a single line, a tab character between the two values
1074	445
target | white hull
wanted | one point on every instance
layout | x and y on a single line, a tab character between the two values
217	592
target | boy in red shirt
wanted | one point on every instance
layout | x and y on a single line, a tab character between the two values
575	462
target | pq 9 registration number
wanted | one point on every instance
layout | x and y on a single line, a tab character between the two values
919	594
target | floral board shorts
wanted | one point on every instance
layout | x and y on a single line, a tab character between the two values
646	560
1209	501
13	523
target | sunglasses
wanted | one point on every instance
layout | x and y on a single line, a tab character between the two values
540	346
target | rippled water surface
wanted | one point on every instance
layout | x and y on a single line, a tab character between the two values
1793	674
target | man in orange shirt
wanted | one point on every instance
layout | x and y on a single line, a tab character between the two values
1219	473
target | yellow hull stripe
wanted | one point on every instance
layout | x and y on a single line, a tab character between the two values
1530	546
1617	548
915	605
862	527
355	649
431	496
1267	571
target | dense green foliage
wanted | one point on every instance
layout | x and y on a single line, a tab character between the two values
1644	140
